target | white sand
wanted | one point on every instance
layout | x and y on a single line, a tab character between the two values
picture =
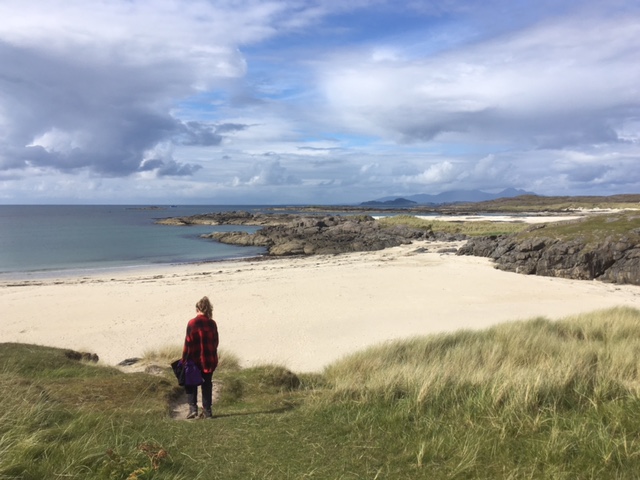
303	313
502	218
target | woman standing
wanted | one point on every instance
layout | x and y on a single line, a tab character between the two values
201	347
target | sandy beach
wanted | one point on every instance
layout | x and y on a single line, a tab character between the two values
303	313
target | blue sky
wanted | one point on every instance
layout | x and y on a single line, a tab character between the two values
294	101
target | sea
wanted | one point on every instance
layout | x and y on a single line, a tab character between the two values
39	241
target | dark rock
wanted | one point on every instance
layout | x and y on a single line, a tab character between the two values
324	235
88	357
625	270
129	361
230	218
613	260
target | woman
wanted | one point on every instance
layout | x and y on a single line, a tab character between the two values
201	347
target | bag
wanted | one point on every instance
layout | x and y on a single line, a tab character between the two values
188	374
192	375
178	371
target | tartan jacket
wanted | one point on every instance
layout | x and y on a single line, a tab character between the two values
201	343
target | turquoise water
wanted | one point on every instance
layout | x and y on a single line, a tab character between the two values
43	240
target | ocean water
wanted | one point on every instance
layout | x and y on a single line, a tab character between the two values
49	240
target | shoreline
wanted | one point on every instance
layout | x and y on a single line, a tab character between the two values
40	276
299	312
37	276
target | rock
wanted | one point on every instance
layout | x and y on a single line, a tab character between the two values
615	260
129	361
154	370
290	247
88	357
312	235
625	270
230	218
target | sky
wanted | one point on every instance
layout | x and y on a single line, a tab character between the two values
315	101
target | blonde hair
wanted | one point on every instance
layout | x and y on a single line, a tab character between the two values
204	306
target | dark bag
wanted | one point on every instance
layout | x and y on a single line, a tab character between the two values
178	371
188	374
192	374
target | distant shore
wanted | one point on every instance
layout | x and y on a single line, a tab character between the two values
301	312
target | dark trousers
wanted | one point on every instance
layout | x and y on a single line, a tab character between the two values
207	391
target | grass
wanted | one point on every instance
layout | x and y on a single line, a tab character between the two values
471	229
534	203
592	229
526	399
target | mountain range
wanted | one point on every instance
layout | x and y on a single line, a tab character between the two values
452	196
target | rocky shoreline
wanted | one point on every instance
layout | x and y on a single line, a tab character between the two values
614	259
231	218
293	234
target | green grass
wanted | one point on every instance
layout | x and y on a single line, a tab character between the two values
592	229
471	229
526	399
533	203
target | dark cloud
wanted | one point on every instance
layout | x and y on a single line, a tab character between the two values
587	173
205	134
68	115
175	169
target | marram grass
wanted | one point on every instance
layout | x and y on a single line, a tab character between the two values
469	228
526	365
528	399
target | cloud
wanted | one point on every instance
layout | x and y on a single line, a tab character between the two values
554	84
443	172
266	173
311	100
203	134
92	86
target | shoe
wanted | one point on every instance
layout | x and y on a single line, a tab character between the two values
206	413
193	412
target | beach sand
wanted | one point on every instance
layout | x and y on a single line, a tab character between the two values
303	313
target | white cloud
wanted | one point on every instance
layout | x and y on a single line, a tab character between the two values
443	172
266	173
556	83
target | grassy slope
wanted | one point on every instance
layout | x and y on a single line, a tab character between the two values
472	229
533	203
534	399
592	229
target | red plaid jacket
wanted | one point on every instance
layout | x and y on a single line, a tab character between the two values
201	343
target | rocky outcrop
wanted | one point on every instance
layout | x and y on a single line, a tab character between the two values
84	356
614	259
230	218
327	235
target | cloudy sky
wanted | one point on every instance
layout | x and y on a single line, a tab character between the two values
315	101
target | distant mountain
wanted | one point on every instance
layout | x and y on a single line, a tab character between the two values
455	196
396	202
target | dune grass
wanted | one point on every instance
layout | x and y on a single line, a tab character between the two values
592	229
471	229
527	399
535	203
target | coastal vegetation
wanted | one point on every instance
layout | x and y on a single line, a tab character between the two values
454	227
519	204
592	229
536	203
527	399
